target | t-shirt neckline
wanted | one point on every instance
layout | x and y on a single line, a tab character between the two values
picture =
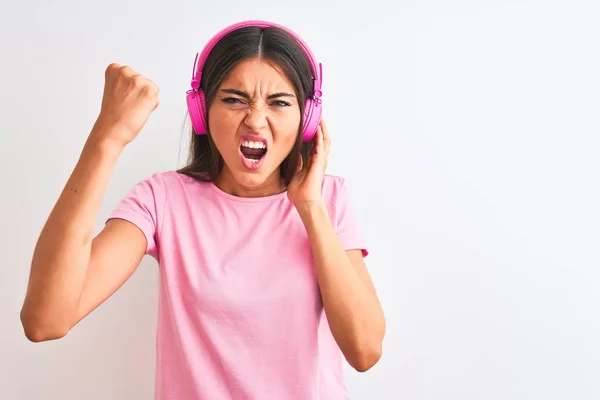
230	196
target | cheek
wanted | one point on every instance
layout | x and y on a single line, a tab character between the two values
284	142
288	128
217	120
222	128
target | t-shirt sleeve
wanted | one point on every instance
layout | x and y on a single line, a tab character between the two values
143	207
347	224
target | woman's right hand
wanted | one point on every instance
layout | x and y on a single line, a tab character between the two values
129	99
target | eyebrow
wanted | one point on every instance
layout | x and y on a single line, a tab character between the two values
247	96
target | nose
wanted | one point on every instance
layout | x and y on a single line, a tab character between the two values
256	118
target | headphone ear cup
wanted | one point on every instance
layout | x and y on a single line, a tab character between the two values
197	110
312	118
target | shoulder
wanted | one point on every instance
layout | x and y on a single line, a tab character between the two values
170	181
161	188
334	188
163	177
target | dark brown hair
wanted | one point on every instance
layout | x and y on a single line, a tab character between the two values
273	44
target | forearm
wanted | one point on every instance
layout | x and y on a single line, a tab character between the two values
61	256
352	308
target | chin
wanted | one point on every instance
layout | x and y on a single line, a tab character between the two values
250	180
254	173
254	178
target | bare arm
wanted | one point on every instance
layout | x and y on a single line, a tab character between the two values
72	272
351	304
350	301
63	251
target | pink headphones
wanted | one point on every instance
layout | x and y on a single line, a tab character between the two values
195	96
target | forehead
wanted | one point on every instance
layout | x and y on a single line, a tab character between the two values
257	72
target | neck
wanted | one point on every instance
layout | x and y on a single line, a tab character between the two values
273	185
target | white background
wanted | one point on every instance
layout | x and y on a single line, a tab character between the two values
468	131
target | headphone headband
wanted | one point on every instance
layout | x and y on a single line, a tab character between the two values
199	62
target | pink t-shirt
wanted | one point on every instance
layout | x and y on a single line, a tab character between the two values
240	314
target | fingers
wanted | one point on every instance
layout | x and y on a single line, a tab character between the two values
111	69
326	143
326	137
128	100
300	163
322	140
318	146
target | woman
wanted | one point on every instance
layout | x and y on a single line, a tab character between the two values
263	287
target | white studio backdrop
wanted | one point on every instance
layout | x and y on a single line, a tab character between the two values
469	134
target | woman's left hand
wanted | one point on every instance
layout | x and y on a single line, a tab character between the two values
305	187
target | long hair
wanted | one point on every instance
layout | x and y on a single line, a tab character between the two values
271	43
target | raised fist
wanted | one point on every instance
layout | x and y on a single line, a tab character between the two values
128	100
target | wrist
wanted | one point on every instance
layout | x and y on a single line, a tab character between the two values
99	148
311	208
106	139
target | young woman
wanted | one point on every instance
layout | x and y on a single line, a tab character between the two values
263	286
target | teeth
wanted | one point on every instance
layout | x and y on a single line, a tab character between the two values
254	145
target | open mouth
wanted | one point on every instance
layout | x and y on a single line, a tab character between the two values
253	151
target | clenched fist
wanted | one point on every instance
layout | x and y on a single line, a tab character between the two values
128	100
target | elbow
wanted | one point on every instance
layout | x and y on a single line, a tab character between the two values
366	357
368	351
37	331
40	335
